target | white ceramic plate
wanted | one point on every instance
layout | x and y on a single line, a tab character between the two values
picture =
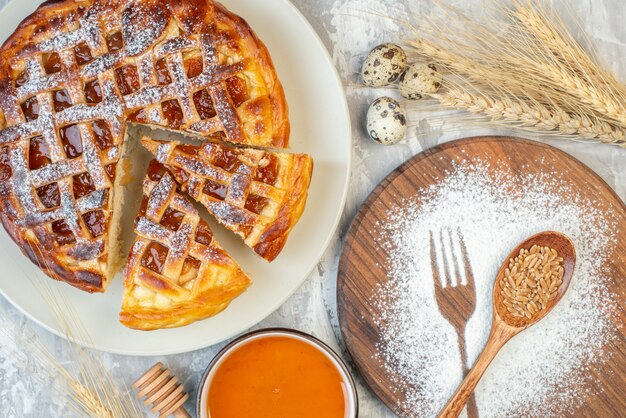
320	127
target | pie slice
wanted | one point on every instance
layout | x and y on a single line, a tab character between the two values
176	272
259	195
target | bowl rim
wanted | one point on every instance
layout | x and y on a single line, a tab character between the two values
322	346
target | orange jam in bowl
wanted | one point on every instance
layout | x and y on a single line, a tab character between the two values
277	373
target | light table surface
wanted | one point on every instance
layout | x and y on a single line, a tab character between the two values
312	307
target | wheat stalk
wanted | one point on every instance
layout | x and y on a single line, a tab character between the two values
588	94
90	402
534	116
86	385
531	75
573	68
33	357
506	107
558	40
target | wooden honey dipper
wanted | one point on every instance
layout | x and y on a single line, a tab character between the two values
162	389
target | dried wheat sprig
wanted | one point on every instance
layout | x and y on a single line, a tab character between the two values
530	70
452	62
558	40
532	75
36	359
587	93
549	30
533	117
571	66
504	105
91	369
90	402
89	388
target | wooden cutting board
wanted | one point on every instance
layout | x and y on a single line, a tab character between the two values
361	268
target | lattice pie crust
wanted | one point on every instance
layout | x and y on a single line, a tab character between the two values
73	75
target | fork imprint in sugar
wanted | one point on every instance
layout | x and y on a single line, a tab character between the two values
456	300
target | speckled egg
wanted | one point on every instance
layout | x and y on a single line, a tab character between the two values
419	80
383	65
386	121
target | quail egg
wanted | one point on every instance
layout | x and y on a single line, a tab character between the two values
383	65
419	80
386	121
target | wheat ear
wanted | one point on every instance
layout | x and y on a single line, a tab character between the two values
572	68
85	384
89	402
504	106
564	47
477	72
527	72
534	117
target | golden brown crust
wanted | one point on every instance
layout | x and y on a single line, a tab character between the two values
86	280
176	273
206	305
259	195
204	48
279	107
275	236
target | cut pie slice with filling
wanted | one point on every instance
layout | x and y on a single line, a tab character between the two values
259	195
176	273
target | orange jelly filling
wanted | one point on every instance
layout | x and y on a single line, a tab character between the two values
268	173
52	63
172	219
82	53
237	90
276	376
163	74
203	233
115	42
193	67
173	113
204	104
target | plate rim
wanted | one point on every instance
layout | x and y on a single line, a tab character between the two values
338	84
379	188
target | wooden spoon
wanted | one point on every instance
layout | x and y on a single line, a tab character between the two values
505	326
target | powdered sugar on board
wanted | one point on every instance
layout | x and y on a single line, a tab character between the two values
544	370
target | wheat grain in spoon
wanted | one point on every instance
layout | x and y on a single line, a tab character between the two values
512	310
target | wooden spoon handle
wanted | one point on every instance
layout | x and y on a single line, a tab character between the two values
499	335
